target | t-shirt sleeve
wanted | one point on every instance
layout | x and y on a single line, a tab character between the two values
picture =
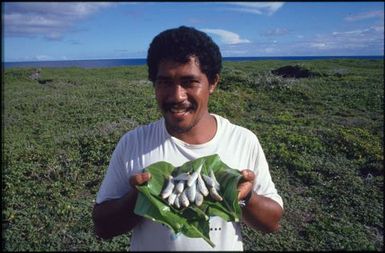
116	180
264	184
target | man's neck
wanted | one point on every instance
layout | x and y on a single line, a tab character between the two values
203	132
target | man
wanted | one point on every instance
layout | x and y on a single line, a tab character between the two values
184	65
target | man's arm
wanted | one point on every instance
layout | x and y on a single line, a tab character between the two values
261	213
116	217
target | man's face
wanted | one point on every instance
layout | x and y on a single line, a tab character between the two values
182	92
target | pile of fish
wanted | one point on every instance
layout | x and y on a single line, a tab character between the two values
185	189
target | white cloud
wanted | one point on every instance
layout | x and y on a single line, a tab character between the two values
366	41
260	8
48	19
42	57
226	37
276	32
378	28
320	45
269	50
368	33
235	52
366	15
371	38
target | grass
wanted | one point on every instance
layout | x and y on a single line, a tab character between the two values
322	136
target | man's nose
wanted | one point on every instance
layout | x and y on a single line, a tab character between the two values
178	93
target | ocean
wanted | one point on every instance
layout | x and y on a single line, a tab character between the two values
106	63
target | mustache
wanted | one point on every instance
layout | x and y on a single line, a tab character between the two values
181	105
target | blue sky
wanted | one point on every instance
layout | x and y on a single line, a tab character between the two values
119	30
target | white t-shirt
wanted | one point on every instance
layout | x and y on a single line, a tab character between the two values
236	146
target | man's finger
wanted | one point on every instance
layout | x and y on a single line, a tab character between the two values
140	178
247	175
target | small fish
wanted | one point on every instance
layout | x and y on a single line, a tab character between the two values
194	176
182	176
177	203
183	200
168	189
198	199
191	192
216	183
171	199
179	186
201	186
214	194
208	180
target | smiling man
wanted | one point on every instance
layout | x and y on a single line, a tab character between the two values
182	92
184	65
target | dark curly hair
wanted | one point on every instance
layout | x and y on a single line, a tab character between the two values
178	44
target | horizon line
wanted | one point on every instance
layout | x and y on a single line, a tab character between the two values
223	57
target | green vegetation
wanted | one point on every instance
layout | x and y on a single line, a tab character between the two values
192	221
322	135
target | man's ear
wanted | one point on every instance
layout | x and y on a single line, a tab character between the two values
214	84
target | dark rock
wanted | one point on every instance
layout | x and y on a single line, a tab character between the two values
294	72
44	81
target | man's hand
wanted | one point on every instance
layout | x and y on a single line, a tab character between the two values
115	217
245	185
139	179
261	213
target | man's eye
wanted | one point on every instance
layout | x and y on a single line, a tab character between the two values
189	82
163	82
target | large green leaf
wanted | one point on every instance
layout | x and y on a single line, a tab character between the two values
191	221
